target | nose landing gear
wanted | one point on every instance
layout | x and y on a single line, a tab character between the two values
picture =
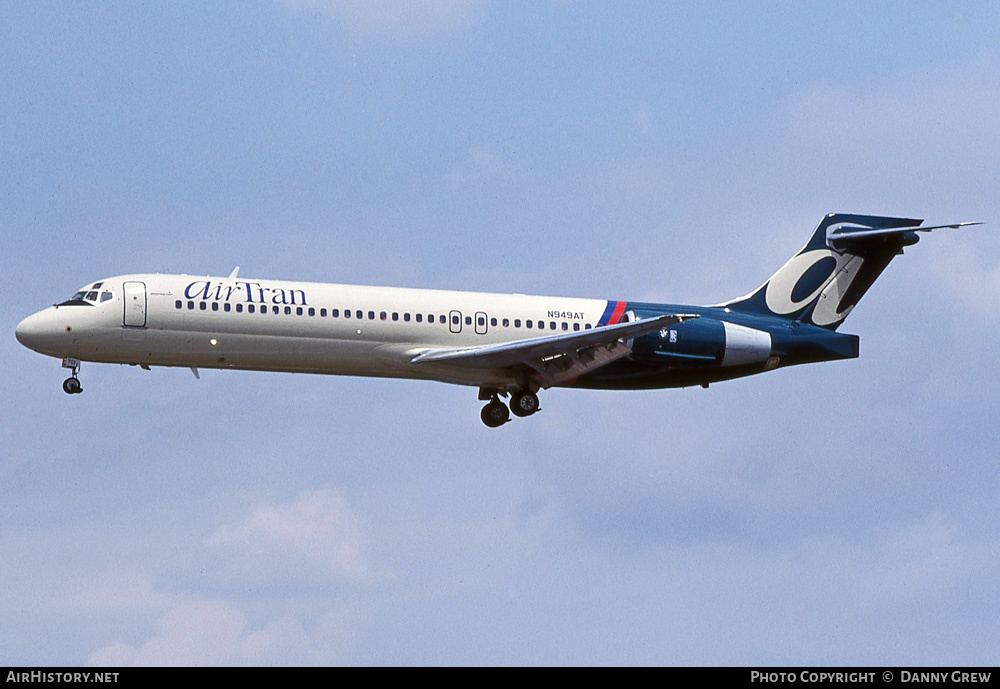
71	386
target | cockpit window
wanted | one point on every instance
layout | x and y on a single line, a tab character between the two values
88	298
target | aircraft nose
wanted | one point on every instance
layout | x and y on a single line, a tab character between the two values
37	331
28	330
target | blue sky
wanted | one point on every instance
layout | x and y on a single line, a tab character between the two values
842	513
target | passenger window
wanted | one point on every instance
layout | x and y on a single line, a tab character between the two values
202	305
371	315
517	322
420	318
298	310
288	310
178	304
215	306
565	326
190	306
506	322
395	315
227	307
576	326
430	318
406	317
322	313
587	326
250	308
493	322
312	311
480	321
382	316
552	325
468	320
454	320
347	313
239	308
359	314
527	324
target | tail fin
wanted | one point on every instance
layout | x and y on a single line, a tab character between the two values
823	282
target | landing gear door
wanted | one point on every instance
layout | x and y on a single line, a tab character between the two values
135	305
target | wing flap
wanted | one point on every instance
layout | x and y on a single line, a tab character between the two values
555	358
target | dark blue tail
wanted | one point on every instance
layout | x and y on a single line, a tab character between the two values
823	282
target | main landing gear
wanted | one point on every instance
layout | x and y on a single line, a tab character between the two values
71	386
495	413
523	403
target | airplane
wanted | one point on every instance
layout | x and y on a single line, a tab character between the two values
508	345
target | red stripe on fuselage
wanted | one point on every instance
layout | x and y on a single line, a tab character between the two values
617	314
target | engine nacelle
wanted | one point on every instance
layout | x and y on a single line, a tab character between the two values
704	342
745	345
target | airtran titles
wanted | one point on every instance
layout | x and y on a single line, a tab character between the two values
246	292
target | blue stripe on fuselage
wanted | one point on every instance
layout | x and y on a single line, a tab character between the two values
610	309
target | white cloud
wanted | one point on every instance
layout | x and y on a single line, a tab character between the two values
314	542
918	141
314	539
969	272
215	632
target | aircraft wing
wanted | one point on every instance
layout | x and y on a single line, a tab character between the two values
555	359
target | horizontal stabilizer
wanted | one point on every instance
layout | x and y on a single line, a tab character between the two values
842	236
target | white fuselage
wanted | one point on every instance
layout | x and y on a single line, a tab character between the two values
509	345
270	325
